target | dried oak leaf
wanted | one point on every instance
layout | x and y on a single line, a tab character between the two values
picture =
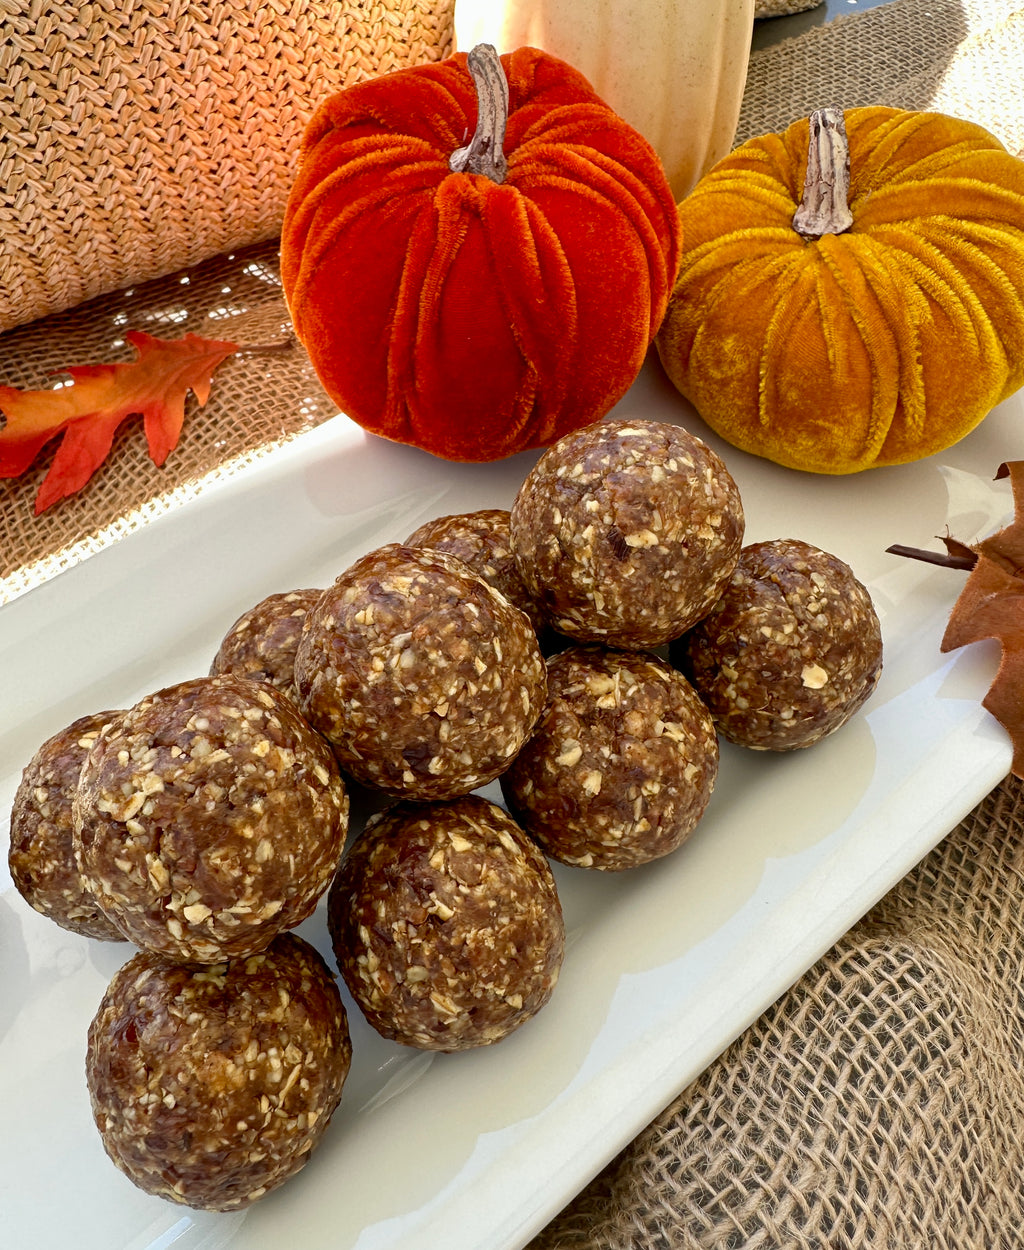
87	413
991	605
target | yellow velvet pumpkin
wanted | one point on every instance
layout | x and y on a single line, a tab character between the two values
851	291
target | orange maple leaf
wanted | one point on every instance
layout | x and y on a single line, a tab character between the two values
89	411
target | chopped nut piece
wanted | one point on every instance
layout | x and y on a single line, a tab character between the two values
590	782
813	676
571	753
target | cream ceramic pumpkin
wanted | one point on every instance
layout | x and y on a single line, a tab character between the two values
674	69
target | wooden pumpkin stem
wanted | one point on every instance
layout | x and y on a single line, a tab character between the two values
484	154
945	560
825	207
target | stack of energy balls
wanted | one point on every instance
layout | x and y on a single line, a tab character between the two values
207	821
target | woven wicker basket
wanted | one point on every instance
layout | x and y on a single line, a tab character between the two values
146	135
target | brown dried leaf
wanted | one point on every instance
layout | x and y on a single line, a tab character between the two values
991	605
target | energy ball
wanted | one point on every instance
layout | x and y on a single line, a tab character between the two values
446	924
209	817
211	1086
42	855
626	532
622	765
425	679
261	644
789	652
481	540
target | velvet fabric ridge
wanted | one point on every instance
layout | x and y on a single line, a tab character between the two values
472	318
880	345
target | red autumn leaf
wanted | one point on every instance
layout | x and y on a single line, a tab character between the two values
991	605
88	412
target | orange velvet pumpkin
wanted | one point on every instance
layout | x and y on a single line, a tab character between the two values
882	332
476	314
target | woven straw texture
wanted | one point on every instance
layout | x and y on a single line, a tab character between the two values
140	136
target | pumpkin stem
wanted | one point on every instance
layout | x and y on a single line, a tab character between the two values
952	559
825	207
484	153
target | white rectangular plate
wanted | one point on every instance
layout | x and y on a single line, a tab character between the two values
665	965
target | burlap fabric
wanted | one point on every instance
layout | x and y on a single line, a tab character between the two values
144	135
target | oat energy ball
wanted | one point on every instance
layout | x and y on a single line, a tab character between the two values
789	652
622	765
626	532
481	540
446	924
41	855
208	818
261	644
210	1086
425	680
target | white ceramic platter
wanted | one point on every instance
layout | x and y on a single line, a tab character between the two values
665	965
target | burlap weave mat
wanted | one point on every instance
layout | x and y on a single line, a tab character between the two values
878	1103
964	57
